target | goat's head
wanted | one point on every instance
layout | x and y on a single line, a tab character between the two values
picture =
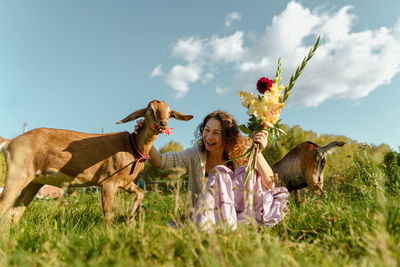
156	115
314	165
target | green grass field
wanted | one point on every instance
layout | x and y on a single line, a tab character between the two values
356	224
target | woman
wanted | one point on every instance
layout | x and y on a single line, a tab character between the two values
222	196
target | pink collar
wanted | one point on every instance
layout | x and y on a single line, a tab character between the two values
135	151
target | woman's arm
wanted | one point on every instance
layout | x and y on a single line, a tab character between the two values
155	158
168	160
265	171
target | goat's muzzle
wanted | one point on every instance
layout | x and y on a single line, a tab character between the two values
160	128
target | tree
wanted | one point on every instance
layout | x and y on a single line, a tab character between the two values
171	146
391	164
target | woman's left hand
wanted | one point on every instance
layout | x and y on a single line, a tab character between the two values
261	138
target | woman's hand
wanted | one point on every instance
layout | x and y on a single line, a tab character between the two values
261	138
139	124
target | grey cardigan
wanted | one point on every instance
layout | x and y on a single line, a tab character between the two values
194	161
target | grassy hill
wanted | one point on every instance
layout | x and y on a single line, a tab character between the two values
356	224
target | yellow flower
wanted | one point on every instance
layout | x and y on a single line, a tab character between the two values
267	108
247	99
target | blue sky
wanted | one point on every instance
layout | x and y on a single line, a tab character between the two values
83	65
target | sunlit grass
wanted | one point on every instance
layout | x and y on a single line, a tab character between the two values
356	224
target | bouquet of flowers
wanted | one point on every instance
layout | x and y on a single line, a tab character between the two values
264	109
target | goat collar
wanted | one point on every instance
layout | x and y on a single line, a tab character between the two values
135	151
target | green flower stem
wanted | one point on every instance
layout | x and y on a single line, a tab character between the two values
248	173
244	154
299	70
252	162
278	75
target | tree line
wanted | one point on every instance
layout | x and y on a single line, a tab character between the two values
338	162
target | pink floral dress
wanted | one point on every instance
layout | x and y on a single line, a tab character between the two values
225	199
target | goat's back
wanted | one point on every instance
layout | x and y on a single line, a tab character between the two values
291	167
69	152
302	151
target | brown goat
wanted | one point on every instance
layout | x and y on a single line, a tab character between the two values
67	158
304	165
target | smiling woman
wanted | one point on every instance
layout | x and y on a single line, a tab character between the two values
216	176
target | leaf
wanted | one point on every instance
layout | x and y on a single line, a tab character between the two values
244	129
270	139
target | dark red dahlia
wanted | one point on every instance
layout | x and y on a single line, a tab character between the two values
263	85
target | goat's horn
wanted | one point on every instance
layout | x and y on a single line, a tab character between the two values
133	116
329	146
179	116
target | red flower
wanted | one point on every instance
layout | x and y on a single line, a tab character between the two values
167	131
263	85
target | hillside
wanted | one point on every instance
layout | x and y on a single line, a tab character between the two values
337	163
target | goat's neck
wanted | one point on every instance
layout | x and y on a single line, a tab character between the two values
145	138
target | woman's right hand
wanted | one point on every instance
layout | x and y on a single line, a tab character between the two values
139	124
261	138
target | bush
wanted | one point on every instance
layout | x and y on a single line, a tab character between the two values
391	167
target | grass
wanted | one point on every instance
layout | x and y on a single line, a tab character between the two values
356	224
2	169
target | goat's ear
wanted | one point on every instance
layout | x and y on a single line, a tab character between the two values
179	116
134	116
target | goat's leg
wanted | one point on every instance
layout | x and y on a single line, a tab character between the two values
297	196
107	199
14	184
138	198
23	200
317	189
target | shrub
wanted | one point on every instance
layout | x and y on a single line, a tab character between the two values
391	167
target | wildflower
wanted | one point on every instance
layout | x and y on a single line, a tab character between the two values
263	85
167	131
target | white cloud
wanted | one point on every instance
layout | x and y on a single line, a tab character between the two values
189	49
231	17
228	48
157	71
347	64
180	76
251	66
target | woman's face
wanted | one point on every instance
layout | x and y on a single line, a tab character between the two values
212	136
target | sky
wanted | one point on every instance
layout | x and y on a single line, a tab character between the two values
83	65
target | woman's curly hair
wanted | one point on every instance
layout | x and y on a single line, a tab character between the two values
235	143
